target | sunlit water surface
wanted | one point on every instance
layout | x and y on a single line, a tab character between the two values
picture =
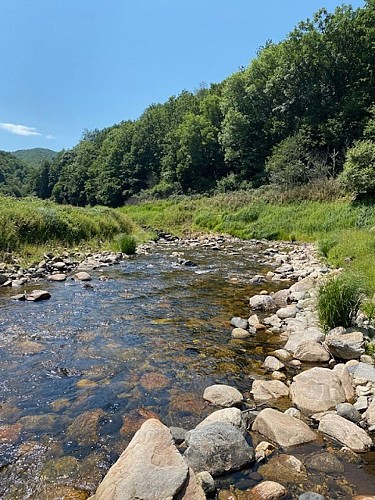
81	371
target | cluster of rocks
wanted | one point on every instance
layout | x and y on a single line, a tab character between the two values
333	399
55	268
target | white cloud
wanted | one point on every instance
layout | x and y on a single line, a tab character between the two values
19	129
49	136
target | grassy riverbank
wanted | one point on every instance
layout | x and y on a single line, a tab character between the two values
29	226
344	232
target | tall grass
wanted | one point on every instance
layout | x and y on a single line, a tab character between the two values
27	222
339	300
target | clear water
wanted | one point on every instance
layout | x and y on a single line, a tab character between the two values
80	372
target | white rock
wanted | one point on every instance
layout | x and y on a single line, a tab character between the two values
264	390
222	395
272	364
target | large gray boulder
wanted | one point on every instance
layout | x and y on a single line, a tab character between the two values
150	468
217	448
346	432
282	429
363	370
222	395
347	345
317	390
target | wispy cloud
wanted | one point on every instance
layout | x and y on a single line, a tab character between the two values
50	136
19	129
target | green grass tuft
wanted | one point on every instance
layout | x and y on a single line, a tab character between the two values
126	243
339	300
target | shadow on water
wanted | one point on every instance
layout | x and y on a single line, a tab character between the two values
80	373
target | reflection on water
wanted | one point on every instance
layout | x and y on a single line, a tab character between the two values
80	372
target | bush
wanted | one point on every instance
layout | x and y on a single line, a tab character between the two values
126	243
339	300
358	176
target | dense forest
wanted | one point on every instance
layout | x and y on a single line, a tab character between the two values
302	110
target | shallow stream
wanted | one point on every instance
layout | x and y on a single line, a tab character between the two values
81	371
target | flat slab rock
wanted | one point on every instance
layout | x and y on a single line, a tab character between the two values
217	448
282	429
346	432
150	468
222	395
317	390
363	370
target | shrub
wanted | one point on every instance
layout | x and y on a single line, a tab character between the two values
339	300
358	176
126	243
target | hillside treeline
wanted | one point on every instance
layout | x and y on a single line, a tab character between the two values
293	115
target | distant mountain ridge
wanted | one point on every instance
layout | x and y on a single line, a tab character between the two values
34	157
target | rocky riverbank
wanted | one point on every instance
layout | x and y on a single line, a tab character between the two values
326	381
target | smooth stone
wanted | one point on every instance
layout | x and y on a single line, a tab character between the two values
345	432
346	410
253	320
222	395
280	297
347	345
282	429
282	354
37	295
240	333
82	276
272	364
217	448
57	277
296	338
262	302
311	352
317	390
325	462
287	312
267	490
264	390
365	358
232	416
150	467
238	322
304	285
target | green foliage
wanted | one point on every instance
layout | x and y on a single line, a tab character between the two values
358	176
339	300
13	174
33	222
126	243
35	157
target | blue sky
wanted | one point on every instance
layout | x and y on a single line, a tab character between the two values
70	65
